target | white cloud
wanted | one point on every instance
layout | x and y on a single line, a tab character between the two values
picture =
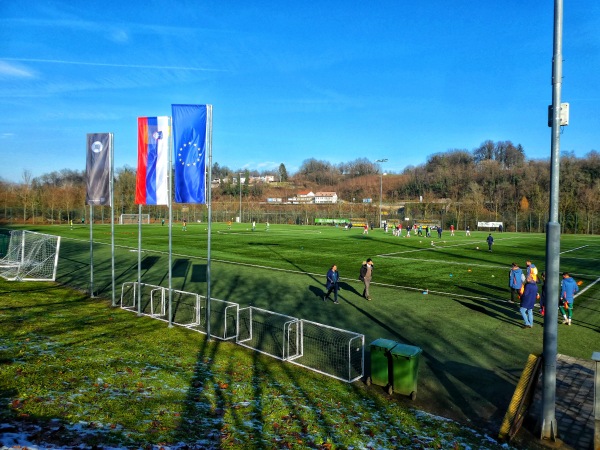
120	36
8	70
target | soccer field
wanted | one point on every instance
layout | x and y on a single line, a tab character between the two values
473	346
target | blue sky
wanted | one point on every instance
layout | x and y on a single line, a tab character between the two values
289	81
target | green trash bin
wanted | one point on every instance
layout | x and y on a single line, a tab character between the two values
405	368
381	362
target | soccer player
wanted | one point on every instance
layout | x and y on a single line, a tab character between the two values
567	295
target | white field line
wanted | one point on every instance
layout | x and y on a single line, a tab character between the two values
446	262
442	246
587	287
299	272
573	249
262	230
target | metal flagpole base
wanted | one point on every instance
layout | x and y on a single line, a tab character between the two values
549	430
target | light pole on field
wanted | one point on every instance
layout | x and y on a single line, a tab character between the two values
240	183
380	187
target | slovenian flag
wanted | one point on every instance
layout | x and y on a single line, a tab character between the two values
190	123
152	182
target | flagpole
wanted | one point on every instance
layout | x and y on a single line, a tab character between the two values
209	202
170	200
112	216
139	292
91	251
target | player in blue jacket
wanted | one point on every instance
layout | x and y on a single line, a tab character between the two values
515	282
567	296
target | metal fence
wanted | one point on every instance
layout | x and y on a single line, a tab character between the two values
324	349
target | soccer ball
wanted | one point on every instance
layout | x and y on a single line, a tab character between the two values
476	248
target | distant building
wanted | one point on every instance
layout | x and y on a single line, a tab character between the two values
305	197
326	197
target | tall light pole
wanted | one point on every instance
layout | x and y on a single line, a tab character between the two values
240	183
380	187
549	425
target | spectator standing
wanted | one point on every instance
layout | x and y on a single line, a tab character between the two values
531	271
515	282
332	284
366	274
490	241
567	296
528	302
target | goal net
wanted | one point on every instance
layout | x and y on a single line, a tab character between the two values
125	219
30	256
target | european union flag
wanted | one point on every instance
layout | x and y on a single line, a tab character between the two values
189	140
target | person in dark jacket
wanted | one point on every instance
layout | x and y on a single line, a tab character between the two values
567	296
490	242
366	273
332	285
528	302
543	295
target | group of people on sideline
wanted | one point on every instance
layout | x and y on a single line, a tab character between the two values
524	288
333	281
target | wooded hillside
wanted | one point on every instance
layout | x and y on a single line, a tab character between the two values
494	182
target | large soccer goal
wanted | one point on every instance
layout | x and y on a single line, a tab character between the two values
30	256
125	219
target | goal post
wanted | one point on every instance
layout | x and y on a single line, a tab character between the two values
31	256
125	219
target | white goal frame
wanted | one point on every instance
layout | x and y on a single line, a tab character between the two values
133	219
31	256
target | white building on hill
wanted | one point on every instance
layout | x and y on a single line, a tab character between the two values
326	197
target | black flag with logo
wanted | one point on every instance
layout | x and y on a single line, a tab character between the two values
98	169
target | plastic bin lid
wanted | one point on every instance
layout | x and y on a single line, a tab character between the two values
408	351
384	343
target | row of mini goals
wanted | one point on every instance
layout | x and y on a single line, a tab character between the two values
324	349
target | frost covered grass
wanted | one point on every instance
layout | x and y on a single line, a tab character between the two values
76	372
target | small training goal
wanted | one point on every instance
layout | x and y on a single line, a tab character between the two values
30	256
125	219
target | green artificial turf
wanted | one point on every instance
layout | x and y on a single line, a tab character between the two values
473	346
77	373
